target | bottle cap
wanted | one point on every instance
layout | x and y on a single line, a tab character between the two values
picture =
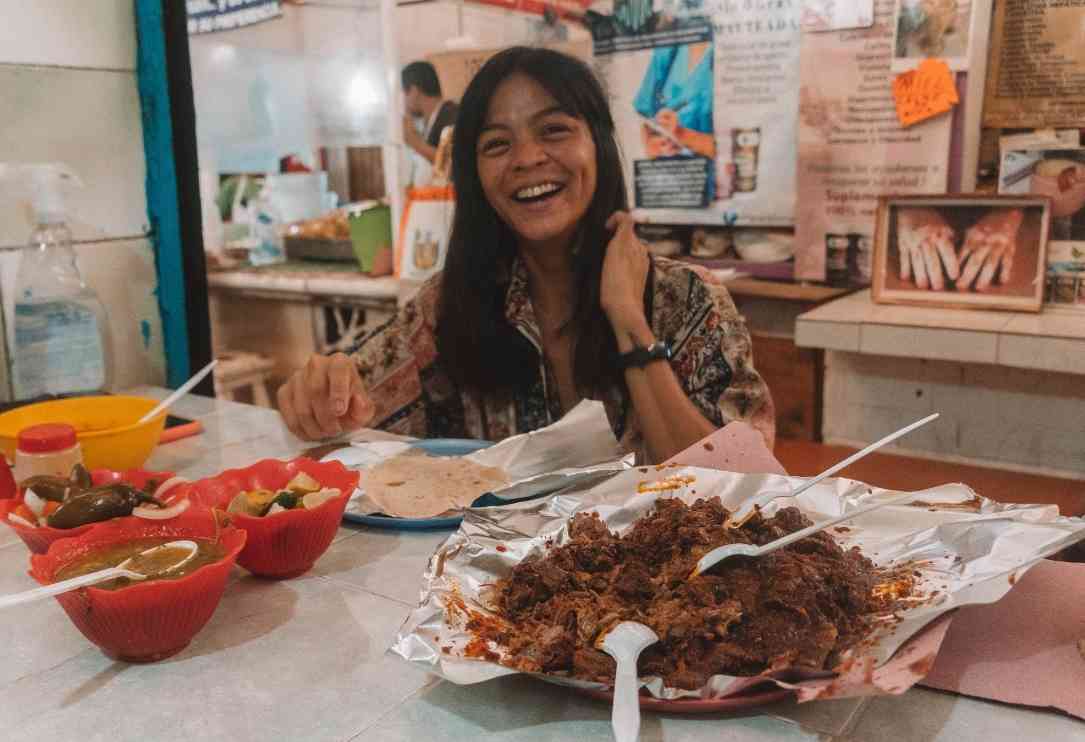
46	438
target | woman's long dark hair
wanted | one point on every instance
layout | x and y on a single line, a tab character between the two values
477	347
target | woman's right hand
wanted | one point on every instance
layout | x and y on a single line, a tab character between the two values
325	399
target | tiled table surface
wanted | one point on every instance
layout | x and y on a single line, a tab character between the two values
305	659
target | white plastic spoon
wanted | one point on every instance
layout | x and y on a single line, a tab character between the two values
748	508
624	643
720	553
182	390
121	570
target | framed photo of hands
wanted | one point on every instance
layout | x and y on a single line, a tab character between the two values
966	251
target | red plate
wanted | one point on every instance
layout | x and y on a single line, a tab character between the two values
702	705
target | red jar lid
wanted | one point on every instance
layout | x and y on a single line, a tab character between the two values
46	438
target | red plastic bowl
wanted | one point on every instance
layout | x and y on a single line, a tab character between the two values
285	544
39	539
144	622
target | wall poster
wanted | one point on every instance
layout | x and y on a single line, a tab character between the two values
1037	69
852	149
705	99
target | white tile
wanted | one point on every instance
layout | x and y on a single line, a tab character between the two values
921	715
964	393
385	562
878	422
89	120
1048	323
841	423
941	372
1048	354
950	319
72	33
520	708
940	436
828	335
305	658
123	274
947	345
1026	443
37	635
838	367
980	439
888	382
1037	400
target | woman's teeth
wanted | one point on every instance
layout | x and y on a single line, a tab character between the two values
538	191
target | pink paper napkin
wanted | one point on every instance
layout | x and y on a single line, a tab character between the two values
736	447
1024	648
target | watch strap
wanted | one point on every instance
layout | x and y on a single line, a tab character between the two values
640	357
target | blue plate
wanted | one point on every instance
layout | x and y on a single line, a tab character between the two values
434	447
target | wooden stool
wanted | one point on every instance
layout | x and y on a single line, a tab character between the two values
237	370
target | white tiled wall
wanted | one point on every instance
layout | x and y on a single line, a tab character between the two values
88	119
68	85
1000	416
72	33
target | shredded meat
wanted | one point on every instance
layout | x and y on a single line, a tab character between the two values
800	607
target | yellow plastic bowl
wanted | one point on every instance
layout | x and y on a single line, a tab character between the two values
107	427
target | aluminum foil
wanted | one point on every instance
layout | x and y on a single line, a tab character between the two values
578	448
966	549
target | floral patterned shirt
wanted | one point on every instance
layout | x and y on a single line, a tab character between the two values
712	359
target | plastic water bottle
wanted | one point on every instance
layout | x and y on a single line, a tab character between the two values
61	332
266	230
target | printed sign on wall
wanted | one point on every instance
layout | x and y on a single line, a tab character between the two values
208	16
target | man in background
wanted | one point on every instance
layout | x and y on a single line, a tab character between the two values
423	103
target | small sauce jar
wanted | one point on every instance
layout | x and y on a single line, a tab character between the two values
51	449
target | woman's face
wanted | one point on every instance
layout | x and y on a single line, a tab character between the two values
536	163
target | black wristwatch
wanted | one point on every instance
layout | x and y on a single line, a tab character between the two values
641	357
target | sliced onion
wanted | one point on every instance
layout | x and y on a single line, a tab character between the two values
150	512
316	499
32	501
167	486
20	520
276	508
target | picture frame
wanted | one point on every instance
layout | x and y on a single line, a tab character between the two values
1058	171
940	29
961	251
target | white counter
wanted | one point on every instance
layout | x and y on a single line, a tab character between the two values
307	285
1053	340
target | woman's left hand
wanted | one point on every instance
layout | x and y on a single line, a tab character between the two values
625	274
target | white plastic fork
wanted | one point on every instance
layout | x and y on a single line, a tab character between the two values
743	512
720	553
624	643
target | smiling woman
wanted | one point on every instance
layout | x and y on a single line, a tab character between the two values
547	296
